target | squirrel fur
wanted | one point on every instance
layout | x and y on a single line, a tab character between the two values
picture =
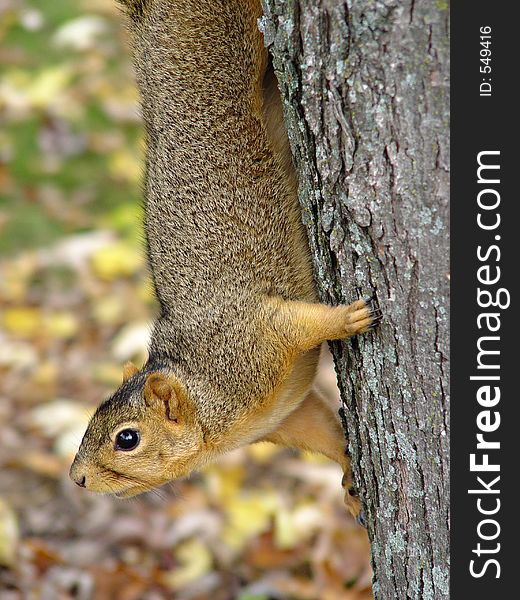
234	350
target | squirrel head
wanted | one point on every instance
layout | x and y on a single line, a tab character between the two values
143	436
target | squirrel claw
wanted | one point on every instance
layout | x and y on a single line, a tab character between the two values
374	311
347	485
352	500
361	519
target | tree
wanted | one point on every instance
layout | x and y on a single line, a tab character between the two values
365	95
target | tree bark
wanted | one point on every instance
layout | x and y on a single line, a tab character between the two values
365	92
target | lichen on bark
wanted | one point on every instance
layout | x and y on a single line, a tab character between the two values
365	92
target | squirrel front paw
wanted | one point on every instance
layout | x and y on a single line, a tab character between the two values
362	315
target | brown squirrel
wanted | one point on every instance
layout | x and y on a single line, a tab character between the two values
234	349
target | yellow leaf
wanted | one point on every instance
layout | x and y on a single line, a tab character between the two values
109	310
126	166
317	459
295	526
23	322
15	276
248	516
62	325
195	561
45	374
126	217
9	534
108	374
225	482
117	260
263	452
44	88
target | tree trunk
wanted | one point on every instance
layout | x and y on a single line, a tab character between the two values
365	94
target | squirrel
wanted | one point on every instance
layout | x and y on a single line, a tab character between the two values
235	346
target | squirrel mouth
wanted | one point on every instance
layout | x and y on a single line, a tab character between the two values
129	492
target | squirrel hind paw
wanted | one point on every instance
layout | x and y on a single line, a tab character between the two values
352	500
353	505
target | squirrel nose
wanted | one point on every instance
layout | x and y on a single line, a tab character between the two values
81	481
77	475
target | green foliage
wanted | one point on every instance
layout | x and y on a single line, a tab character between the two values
71	141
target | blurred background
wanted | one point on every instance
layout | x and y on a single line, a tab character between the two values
75	304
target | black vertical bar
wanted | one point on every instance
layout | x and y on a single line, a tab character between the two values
485	115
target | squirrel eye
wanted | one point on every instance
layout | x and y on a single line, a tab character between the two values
127	439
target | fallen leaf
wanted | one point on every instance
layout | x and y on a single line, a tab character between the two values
293	527
63	325
22	322
131	341
58	416
9	534
248	515
43	89
126	166
81	33
117	260
41	463
194	561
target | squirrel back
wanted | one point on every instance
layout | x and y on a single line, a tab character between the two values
221	211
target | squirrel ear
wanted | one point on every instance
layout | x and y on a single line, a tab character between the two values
129	370
160	393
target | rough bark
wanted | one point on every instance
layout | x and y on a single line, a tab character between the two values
365	94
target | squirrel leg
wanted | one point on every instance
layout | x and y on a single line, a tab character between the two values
314	427
307	325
